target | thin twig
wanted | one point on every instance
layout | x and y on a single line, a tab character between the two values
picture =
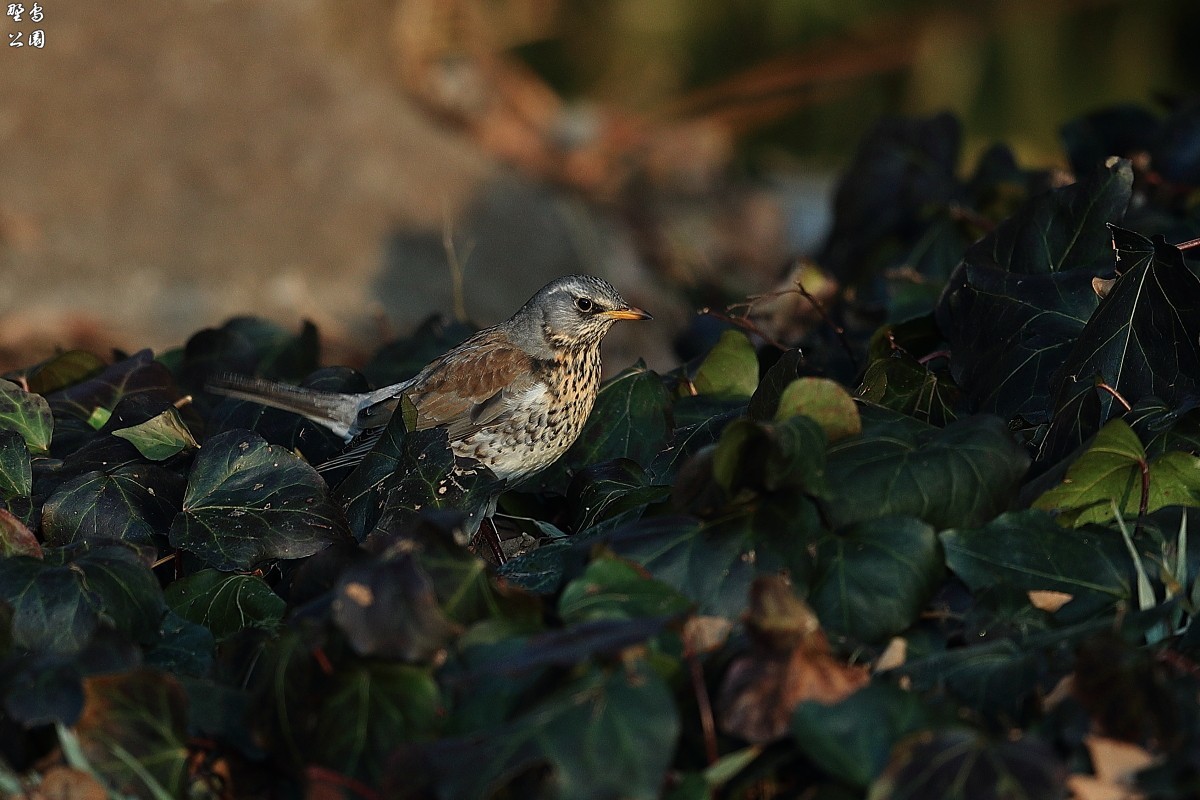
1189	244
456	266
704	707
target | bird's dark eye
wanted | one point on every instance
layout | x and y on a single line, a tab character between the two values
583	304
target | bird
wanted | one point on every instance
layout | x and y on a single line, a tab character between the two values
513	397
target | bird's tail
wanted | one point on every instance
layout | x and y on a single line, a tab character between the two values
334	410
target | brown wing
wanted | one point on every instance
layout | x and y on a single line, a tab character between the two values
466	389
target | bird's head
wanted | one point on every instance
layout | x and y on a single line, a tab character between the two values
575	311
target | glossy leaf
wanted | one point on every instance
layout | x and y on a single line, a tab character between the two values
1014	307
852	740
161	437
614	589
248	501
133	503
631	419
370	709
16	475
1029	551
901	383
26	413
58	603
1115	469
963	474
1142	341
225	604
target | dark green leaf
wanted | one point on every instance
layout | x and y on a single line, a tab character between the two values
1142	341
225	604
428	477
57	603
714	562
852	740
765	400
958	764
185	648
873	578
132	503
762	456
248	501
26	413
1028	550
608	733
963	474
371	708
614	589
62	371
901	383
608	495
16	475
1014	307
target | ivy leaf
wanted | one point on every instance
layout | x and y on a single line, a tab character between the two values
161	437
1142	341
247	502
730	369
225	604
61	371
959	764
613	589
1029	551
963	474
852	740
389	609
16	475
713	563
824	401
26	413
134	732
371	708
15	537
903	384
611	494
873	578
58	601
611	732
1015	306
1115	469
133	503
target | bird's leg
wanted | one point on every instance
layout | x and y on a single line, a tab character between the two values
490	536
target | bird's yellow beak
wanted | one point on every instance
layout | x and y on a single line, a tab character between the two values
626	313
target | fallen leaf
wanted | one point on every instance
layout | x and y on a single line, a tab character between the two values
790	662
1048	600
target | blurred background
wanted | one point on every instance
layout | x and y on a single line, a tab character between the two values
367	163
